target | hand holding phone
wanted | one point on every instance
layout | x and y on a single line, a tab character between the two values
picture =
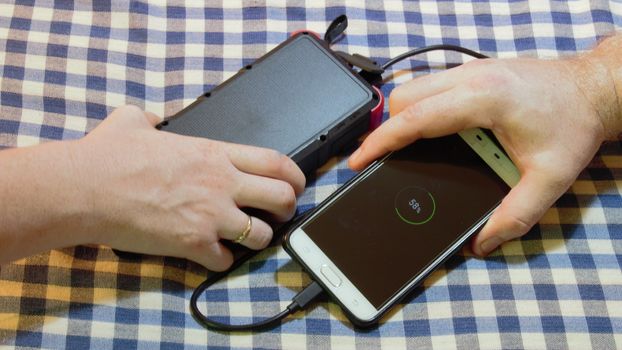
539	111
383	232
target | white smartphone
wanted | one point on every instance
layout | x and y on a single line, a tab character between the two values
384	231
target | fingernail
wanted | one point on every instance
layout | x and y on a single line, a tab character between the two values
490	244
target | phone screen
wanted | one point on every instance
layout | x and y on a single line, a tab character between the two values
382	232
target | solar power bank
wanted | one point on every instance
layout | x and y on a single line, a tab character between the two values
299	99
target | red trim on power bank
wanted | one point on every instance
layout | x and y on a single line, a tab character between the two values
376	113
306	31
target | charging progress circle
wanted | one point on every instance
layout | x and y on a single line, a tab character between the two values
415	205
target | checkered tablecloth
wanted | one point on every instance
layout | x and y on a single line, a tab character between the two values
65	65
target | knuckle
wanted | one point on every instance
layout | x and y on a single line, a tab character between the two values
500	81
478	63
286	198
398	96
132	111
197	242
264	237
209	148
220	264
557	182
489	81
517	226
131	108
199	236
276	161
287	167
412	113
215	257
211	152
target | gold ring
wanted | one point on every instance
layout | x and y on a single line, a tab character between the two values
246	231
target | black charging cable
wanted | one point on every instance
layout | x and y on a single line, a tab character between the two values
313	290
372	72
299	302
422	50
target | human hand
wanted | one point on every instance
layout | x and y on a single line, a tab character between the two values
541	112
160	193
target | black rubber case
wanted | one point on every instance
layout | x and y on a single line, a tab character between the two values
299	99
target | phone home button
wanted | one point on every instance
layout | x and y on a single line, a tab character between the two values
330	275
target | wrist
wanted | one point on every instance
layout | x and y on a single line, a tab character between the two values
100	182
598	75
67	200
79	184
88	169
42	207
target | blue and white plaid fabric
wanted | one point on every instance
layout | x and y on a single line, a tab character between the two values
65	65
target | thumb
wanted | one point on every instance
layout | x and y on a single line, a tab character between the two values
519	211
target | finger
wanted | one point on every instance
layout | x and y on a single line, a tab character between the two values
275	196
429	85
215	256
258	237
438	115
266	162
519	211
